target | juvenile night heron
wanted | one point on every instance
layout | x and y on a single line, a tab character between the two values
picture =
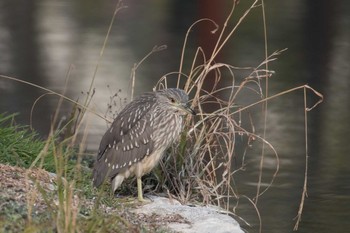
139	136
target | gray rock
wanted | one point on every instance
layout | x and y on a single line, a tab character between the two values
189	219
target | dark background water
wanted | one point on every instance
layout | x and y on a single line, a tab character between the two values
39	40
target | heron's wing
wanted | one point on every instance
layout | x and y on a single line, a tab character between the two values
127	141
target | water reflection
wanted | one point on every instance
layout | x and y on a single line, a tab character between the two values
39	40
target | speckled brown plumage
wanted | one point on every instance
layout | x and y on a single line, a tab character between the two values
139	136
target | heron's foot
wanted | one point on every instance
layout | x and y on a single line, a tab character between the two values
143	200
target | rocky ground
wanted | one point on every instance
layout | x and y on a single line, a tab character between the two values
30	195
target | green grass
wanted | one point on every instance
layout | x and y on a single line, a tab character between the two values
19	146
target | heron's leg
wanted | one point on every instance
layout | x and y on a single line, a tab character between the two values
139	190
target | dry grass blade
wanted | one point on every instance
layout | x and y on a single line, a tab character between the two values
133	70
304	193
118	7
51	92
206	168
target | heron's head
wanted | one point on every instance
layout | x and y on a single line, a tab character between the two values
175	100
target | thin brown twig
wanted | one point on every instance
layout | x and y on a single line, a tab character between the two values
185	43
136	66
304	193
284	93
54	93
265	105
119	6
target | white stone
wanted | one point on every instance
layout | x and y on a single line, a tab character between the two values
201	219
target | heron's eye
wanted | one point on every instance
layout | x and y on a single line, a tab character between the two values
172	100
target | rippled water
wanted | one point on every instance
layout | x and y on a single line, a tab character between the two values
40	40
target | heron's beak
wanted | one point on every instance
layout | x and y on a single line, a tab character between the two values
188	109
